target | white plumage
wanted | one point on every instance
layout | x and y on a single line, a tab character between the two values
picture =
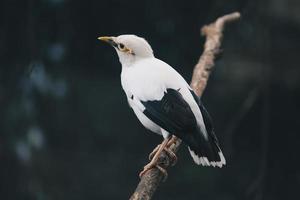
146	79
149	78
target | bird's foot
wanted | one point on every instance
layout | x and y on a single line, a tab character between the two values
154	165
153	152
155	160
171	154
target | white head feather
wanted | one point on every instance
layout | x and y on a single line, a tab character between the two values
131	48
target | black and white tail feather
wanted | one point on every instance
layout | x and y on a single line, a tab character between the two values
207	152
202	160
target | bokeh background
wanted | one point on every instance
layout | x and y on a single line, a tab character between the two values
66	131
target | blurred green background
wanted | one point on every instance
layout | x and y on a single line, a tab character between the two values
66	131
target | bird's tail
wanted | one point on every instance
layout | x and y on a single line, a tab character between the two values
203	143
204	161
206	152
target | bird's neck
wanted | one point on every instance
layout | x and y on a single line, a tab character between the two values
130	60
127	61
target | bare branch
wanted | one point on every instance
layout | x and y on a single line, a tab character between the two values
214	33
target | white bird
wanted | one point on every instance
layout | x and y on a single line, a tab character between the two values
164	102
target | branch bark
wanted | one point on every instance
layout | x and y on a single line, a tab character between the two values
213	33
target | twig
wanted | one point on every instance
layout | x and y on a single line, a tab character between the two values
213	32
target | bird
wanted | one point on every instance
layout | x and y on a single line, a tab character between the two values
164	103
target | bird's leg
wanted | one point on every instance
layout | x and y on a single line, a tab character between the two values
153	152
153	162
167	150
172	140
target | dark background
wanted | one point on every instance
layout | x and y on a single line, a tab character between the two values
66	131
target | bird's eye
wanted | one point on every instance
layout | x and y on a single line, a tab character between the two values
121	46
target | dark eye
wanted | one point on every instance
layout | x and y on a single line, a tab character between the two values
121	46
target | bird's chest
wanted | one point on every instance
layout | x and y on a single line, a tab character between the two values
142	84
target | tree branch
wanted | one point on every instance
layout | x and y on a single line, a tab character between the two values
214	33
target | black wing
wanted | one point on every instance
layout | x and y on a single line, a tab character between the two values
173	114
208	122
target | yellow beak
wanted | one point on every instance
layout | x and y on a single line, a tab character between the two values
105	38
109	40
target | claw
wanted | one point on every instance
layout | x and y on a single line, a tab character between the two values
154	161
163	171
168	151
150	166
172	156
151	155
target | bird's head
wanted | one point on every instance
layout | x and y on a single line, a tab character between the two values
129	47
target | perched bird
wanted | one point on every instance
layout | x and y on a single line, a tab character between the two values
164	102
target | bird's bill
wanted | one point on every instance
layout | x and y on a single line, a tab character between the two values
108	40
105	38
